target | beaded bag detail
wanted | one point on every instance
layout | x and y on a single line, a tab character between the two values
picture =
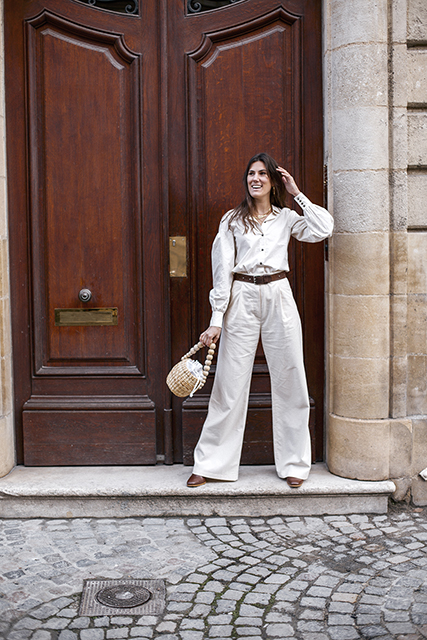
188	376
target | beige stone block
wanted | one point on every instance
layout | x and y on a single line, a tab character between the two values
417	21
7	445
360	138
361	201
400	448
358	449
417	198
417	385
330	376
330	320
398	200
5	328
4	268
361	263
417	139
6	384
419	492
417	77
331	267
419	445
399	384
353	70
361	326
360	388
358	21
399	75
398	10
326	25
417	262
417	324
399	262
398	325
399	137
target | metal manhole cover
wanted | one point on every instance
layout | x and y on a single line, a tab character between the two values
131	597
123	596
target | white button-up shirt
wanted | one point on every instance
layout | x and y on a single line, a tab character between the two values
263	250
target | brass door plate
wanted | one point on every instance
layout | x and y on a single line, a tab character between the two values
178	257
101	317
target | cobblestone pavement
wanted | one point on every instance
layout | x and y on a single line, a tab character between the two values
310	578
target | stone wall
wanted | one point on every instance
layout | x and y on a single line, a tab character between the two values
7	448
415	70
356	52
376	70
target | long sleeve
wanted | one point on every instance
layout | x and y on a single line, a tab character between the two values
223	261
315	225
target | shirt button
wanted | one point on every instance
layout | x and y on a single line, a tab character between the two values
262	249
260	262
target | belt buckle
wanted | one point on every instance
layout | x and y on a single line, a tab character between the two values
254	279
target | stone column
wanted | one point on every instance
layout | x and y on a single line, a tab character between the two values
7	446
415	70
357	148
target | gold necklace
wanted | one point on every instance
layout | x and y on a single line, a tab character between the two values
263	216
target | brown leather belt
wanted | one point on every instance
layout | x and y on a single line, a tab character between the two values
260	279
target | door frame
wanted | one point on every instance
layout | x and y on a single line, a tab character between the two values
165	434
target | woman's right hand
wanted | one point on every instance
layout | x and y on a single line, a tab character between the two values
210	335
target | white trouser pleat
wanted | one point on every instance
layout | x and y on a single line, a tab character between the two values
268	311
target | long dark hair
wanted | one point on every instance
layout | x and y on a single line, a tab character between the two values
246	209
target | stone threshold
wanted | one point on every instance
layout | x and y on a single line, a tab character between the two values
109	492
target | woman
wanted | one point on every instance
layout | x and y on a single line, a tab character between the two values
251	297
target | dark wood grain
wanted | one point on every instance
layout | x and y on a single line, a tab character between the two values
252	83
84	213
89	437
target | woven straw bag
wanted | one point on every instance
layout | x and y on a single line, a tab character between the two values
188	376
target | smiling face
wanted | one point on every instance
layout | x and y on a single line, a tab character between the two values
259	183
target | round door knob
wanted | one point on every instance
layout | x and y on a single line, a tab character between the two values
85	295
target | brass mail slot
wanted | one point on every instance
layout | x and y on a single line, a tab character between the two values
178	257
106	317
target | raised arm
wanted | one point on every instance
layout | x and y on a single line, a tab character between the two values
317	223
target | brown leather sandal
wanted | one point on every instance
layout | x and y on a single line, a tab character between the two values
294	483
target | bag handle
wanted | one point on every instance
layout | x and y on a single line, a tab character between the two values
209	356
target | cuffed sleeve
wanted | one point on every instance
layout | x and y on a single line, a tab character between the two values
315	225
216	319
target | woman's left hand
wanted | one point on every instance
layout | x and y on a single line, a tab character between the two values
289	182
210	335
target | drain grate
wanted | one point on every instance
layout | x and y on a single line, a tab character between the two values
131	597
123	596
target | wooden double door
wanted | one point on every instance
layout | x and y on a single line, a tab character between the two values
129	123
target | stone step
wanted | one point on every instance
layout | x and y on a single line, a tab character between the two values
106	492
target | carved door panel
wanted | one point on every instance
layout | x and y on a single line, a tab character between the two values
125	128
84	215
242	79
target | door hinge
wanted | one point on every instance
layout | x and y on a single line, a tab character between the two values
325	186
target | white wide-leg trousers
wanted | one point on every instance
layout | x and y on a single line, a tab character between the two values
269	311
